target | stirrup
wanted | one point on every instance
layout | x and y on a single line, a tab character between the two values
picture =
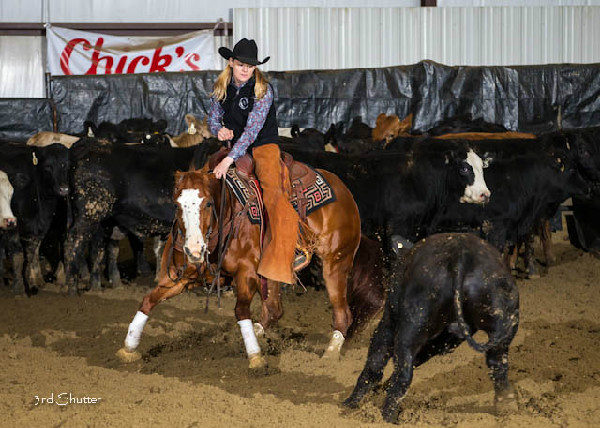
301	259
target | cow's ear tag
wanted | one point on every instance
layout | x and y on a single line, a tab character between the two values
192	129
34	158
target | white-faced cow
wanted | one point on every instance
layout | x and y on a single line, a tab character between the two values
7	218
404	193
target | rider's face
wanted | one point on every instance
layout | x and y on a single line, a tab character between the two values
242	72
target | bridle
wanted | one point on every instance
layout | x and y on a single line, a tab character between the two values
225	227
176	231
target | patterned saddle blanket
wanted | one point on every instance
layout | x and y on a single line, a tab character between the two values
305	200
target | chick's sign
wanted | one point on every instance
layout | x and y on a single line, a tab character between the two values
79	52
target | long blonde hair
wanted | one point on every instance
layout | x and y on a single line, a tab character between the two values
220	88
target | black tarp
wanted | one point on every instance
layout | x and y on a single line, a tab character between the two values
20	118
521	98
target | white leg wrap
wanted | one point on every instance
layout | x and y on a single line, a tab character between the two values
336	342
250	341
134	333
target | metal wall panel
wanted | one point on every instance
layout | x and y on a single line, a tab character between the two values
22	67
336	38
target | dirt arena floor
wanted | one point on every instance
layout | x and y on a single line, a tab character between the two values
55	349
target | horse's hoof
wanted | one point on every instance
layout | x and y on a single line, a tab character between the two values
258	329
331	355
506	403
128	356
257	362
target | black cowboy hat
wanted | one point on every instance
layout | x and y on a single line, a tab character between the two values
244	51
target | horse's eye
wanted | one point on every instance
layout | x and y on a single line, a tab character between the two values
209	204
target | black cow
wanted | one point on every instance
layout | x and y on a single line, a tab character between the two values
39	176
404	193
311	138
125	186
130	131
448	287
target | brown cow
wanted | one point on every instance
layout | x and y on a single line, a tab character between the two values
389	127
45	138
196	133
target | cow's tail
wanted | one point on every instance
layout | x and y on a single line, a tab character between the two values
461	328
366	293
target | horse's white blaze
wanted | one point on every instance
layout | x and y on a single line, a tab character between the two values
6	192
252	347
190	202
478	192
134	332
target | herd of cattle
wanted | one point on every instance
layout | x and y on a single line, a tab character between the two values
77	199
72	198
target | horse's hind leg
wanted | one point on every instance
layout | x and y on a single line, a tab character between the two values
335	273
272	308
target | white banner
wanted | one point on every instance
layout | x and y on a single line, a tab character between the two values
73	52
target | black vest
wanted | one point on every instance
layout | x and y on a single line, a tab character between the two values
238	105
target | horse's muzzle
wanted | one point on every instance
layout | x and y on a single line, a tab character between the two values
195	257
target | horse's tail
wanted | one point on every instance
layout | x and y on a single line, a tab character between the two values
366	293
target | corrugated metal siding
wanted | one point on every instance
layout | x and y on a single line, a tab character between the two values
22	67
335	38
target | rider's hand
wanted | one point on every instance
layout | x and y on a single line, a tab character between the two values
225	134
221	169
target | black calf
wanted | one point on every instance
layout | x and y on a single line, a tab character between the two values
449	286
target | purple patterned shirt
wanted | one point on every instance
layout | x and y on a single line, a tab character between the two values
255	122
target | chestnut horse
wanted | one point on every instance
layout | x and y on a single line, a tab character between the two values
334	234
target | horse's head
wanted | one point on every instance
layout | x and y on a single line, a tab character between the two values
196	211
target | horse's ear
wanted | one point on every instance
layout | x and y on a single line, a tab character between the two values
177	179
205	169
178	176
406	124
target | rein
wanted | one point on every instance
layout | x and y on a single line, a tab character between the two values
221	250
226	226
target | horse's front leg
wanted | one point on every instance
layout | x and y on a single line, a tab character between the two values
246	288
165	289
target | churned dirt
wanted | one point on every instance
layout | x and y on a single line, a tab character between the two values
60	368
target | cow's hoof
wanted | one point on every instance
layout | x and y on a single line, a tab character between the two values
390	416
506	403
18	289
350	403
95	286
128	356
533	276
257	362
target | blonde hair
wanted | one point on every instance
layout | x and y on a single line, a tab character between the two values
220	88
